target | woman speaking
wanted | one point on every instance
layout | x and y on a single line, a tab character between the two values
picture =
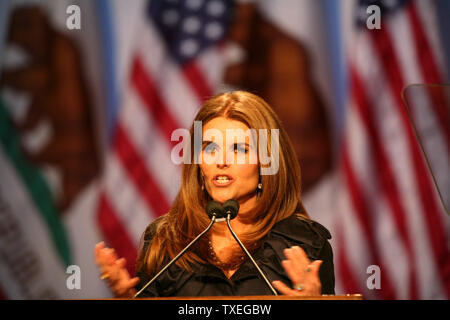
291	250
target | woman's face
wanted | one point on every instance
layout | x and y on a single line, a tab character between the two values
229	166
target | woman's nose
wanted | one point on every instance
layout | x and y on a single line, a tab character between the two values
222	165
222	159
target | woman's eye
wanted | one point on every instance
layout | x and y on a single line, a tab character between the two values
210	148
240	149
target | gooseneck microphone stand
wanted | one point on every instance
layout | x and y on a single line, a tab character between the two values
214	211
217	213
231	207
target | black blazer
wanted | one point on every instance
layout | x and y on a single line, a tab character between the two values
208	280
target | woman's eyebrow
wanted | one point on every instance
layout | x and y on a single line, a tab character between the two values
207	142
240	144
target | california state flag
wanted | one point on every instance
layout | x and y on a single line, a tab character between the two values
49	155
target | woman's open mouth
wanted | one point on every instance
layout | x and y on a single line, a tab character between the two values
222	180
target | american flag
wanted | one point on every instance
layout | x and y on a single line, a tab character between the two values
389	212
177	64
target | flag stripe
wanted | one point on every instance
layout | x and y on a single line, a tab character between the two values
155	105
427	11
141	131
197	80
130	207
357	253
138	173
351	284
430	71
116	234
386	178
172	84
364	215
390	65
36	185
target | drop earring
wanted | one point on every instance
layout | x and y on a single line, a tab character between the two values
259	187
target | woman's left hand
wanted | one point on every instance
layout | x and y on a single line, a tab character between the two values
303	273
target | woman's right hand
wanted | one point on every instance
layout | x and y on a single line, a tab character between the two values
114	272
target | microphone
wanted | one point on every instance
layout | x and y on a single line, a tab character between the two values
231	208
214	211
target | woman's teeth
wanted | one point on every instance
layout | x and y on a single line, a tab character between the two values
222	179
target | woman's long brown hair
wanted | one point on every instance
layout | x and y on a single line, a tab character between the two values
281	196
